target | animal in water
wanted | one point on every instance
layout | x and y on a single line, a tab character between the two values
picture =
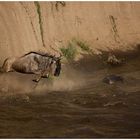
41	64
111	79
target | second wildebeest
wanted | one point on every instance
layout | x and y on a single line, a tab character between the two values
41	64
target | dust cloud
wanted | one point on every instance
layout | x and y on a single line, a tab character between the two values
13	82
70	79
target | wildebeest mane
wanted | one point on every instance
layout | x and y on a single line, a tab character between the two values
39	53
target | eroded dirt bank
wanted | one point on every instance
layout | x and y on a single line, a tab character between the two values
28	26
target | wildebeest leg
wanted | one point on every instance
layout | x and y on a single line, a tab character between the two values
7	65
43	74
38	78
37	75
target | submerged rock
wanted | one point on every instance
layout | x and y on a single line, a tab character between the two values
111	79
121	103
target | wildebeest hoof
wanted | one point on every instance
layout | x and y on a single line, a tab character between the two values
111	79
36	80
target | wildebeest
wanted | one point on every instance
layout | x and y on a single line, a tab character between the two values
41	64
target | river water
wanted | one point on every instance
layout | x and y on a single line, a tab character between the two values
82	107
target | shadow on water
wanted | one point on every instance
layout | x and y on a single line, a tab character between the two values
92	110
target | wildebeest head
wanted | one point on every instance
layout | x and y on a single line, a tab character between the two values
56	66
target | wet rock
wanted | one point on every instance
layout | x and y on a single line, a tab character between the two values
113	60
111	79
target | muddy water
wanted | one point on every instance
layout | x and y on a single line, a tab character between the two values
93	110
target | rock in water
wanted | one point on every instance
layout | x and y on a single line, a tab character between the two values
111	79
112	60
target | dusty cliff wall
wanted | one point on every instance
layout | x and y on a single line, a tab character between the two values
26	26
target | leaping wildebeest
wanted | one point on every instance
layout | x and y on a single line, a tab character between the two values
41	64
